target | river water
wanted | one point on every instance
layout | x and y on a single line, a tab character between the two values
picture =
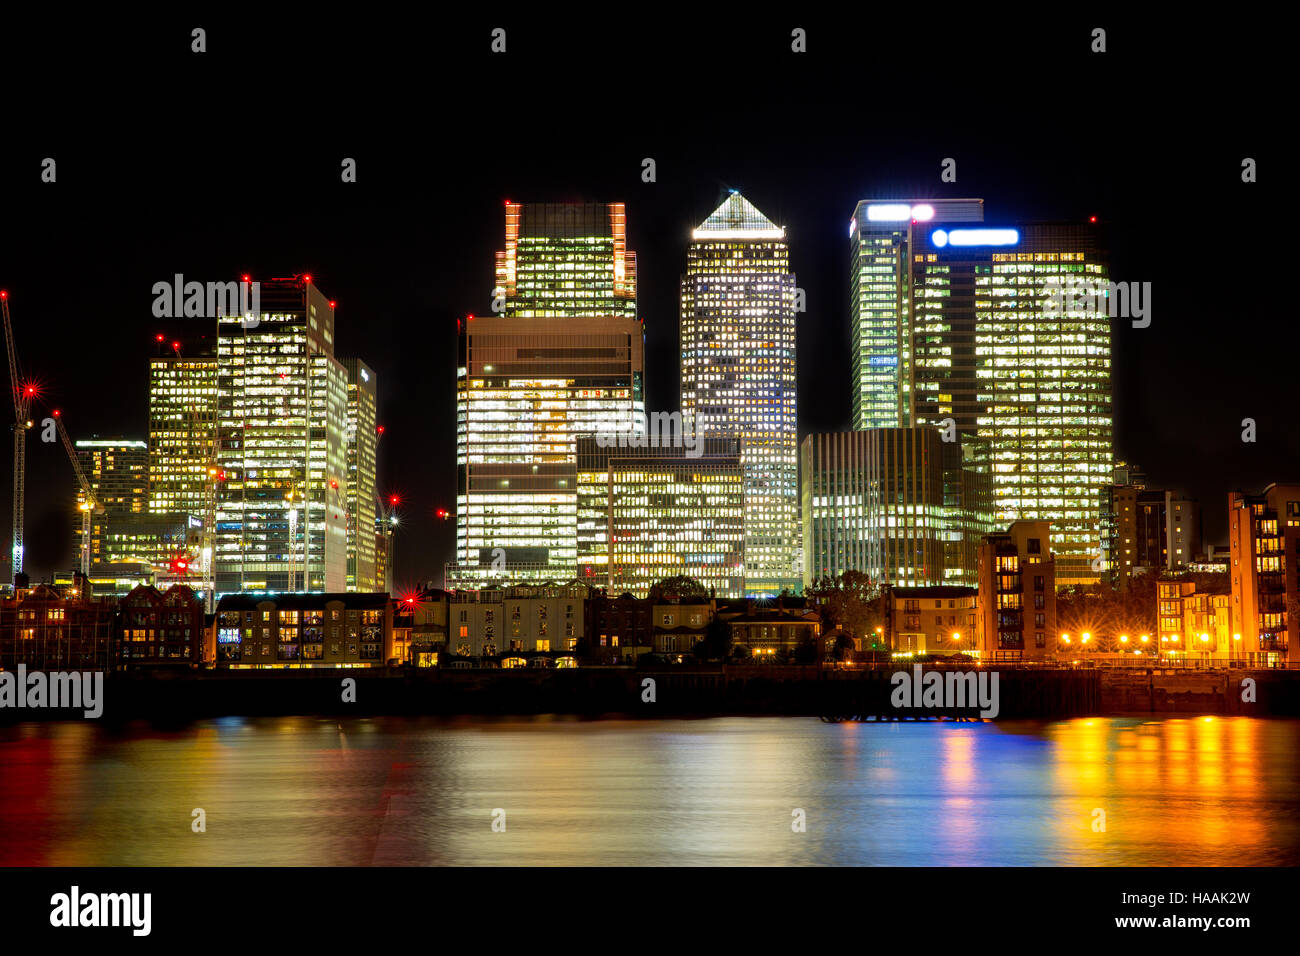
312	792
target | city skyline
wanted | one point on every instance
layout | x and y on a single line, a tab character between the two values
413	565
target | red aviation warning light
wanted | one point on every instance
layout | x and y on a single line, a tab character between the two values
159	337
379	429
442	513
394	499
1092	218
180	564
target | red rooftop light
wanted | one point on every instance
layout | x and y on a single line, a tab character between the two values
159	337
1092	218
306	278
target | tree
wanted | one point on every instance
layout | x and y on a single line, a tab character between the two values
805	651
843	646
851	601
716	641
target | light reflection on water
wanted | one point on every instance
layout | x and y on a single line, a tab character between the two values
313	792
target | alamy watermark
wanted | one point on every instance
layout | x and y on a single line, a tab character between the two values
1129	300
658	430
211	300
62	690
950	690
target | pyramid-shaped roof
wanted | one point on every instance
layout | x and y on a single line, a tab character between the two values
738	218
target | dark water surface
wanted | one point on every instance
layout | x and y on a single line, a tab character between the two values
306	791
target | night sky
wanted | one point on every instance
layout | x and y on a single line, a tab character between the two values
227	162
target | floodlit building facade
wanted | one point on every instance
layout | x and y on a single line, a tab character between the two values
939	621
882	236
510	622
738	375
1017	594
1264	543
304	631
281	416
362	451
563	357
650	513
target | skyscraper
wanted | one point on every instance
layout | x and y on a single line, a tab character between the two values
182	431
649	513
882	236
563	357
1043	378
118	472
281	417
566	260
898	504
738	375
362	442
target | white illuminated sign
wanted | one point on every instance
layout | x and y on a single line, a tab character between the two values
975	237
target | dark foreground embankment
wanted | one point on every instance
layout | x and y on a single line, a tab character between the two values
1029	693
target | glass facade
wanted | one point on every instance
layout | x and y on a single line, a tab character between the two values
738	375
647	514
1043	377
182	433
361	440
281	416
882	302
563	356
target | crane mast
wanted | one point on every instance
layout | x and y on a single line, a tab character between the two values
23	393
91	504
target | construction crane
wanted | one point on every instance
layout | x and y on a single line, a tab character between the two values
90	504
23	394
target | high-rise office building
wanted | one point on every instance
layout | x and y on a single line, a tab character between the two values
362	443
898	504
738	375
281	417
118	472
1043	376
563	357
650	513
182	431
527	389
883	238
1264	541
566	260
